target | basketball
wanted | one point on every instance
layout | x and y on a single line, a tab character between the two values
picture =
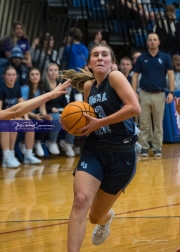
72	117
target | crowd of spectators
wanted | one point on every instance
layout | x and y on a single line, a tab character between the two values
27	71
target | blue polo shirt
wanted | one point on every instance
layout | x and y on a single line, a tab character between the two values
153	70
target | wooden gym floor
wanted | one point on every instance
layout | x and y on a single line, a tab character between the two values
35	202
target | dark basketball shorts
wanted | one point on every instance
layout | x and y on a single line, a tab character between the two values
115	169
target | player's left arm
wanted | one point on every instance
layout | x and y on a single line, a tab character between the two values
125	92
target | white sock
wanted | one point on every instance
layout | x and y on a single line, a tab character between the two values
6	154
12	153
28	152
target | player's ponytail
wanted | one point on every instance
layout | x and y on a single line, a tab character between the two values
77	78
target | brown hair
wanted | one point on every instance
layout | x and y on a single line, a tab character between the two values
47	36
170	8
29	83
12	34
76	33
79	78
9	67
46	79
126	58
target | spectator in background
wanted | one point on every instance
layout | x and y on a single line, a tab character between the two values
153	66
17	36
53	107
32	89
134	57
66	42
43	53
75	55
16	60
168	29
125	67
10	94
115	66
96	39
144	9
176	68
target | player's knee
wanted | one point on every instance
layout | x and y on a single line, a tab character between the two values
80	201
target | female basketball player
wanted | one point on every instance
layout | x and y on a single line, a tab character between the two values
108	159
22	108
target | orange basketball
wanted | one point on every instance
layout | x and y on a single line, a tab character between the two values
72	117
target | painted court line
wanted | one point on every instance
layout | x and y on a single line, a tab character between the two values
51	225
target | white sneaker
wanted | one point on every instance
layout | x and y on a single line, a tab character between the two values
9	163
77	150
38	149
68	148
101	233
138	147
31	159
22	147
16	161
52	147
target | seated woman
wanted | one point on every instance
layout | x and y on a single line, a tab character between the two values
34	88
18	37
10	94
53	107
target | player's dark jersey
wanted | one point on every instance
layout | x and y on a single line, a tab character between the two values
105	102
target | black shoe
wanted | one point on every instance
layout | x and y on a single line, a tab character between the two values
150	145
144	154
157	154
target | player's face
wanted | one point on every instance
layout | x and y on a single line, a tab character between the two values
10	77
34	76
53	72
100	60
153	41
18	31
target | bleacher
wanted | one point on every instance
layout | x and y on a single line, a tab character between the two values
112	18
121	30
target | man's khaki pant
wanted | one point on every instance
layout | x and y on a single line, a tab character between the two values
151	104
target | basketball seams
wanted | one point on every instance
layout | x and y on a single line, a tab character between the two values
76	123
73	117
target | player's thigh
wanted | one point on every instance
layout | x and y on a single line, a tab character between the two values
85	186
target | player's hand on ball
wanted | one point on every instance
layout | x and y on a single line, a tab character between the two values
90	127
